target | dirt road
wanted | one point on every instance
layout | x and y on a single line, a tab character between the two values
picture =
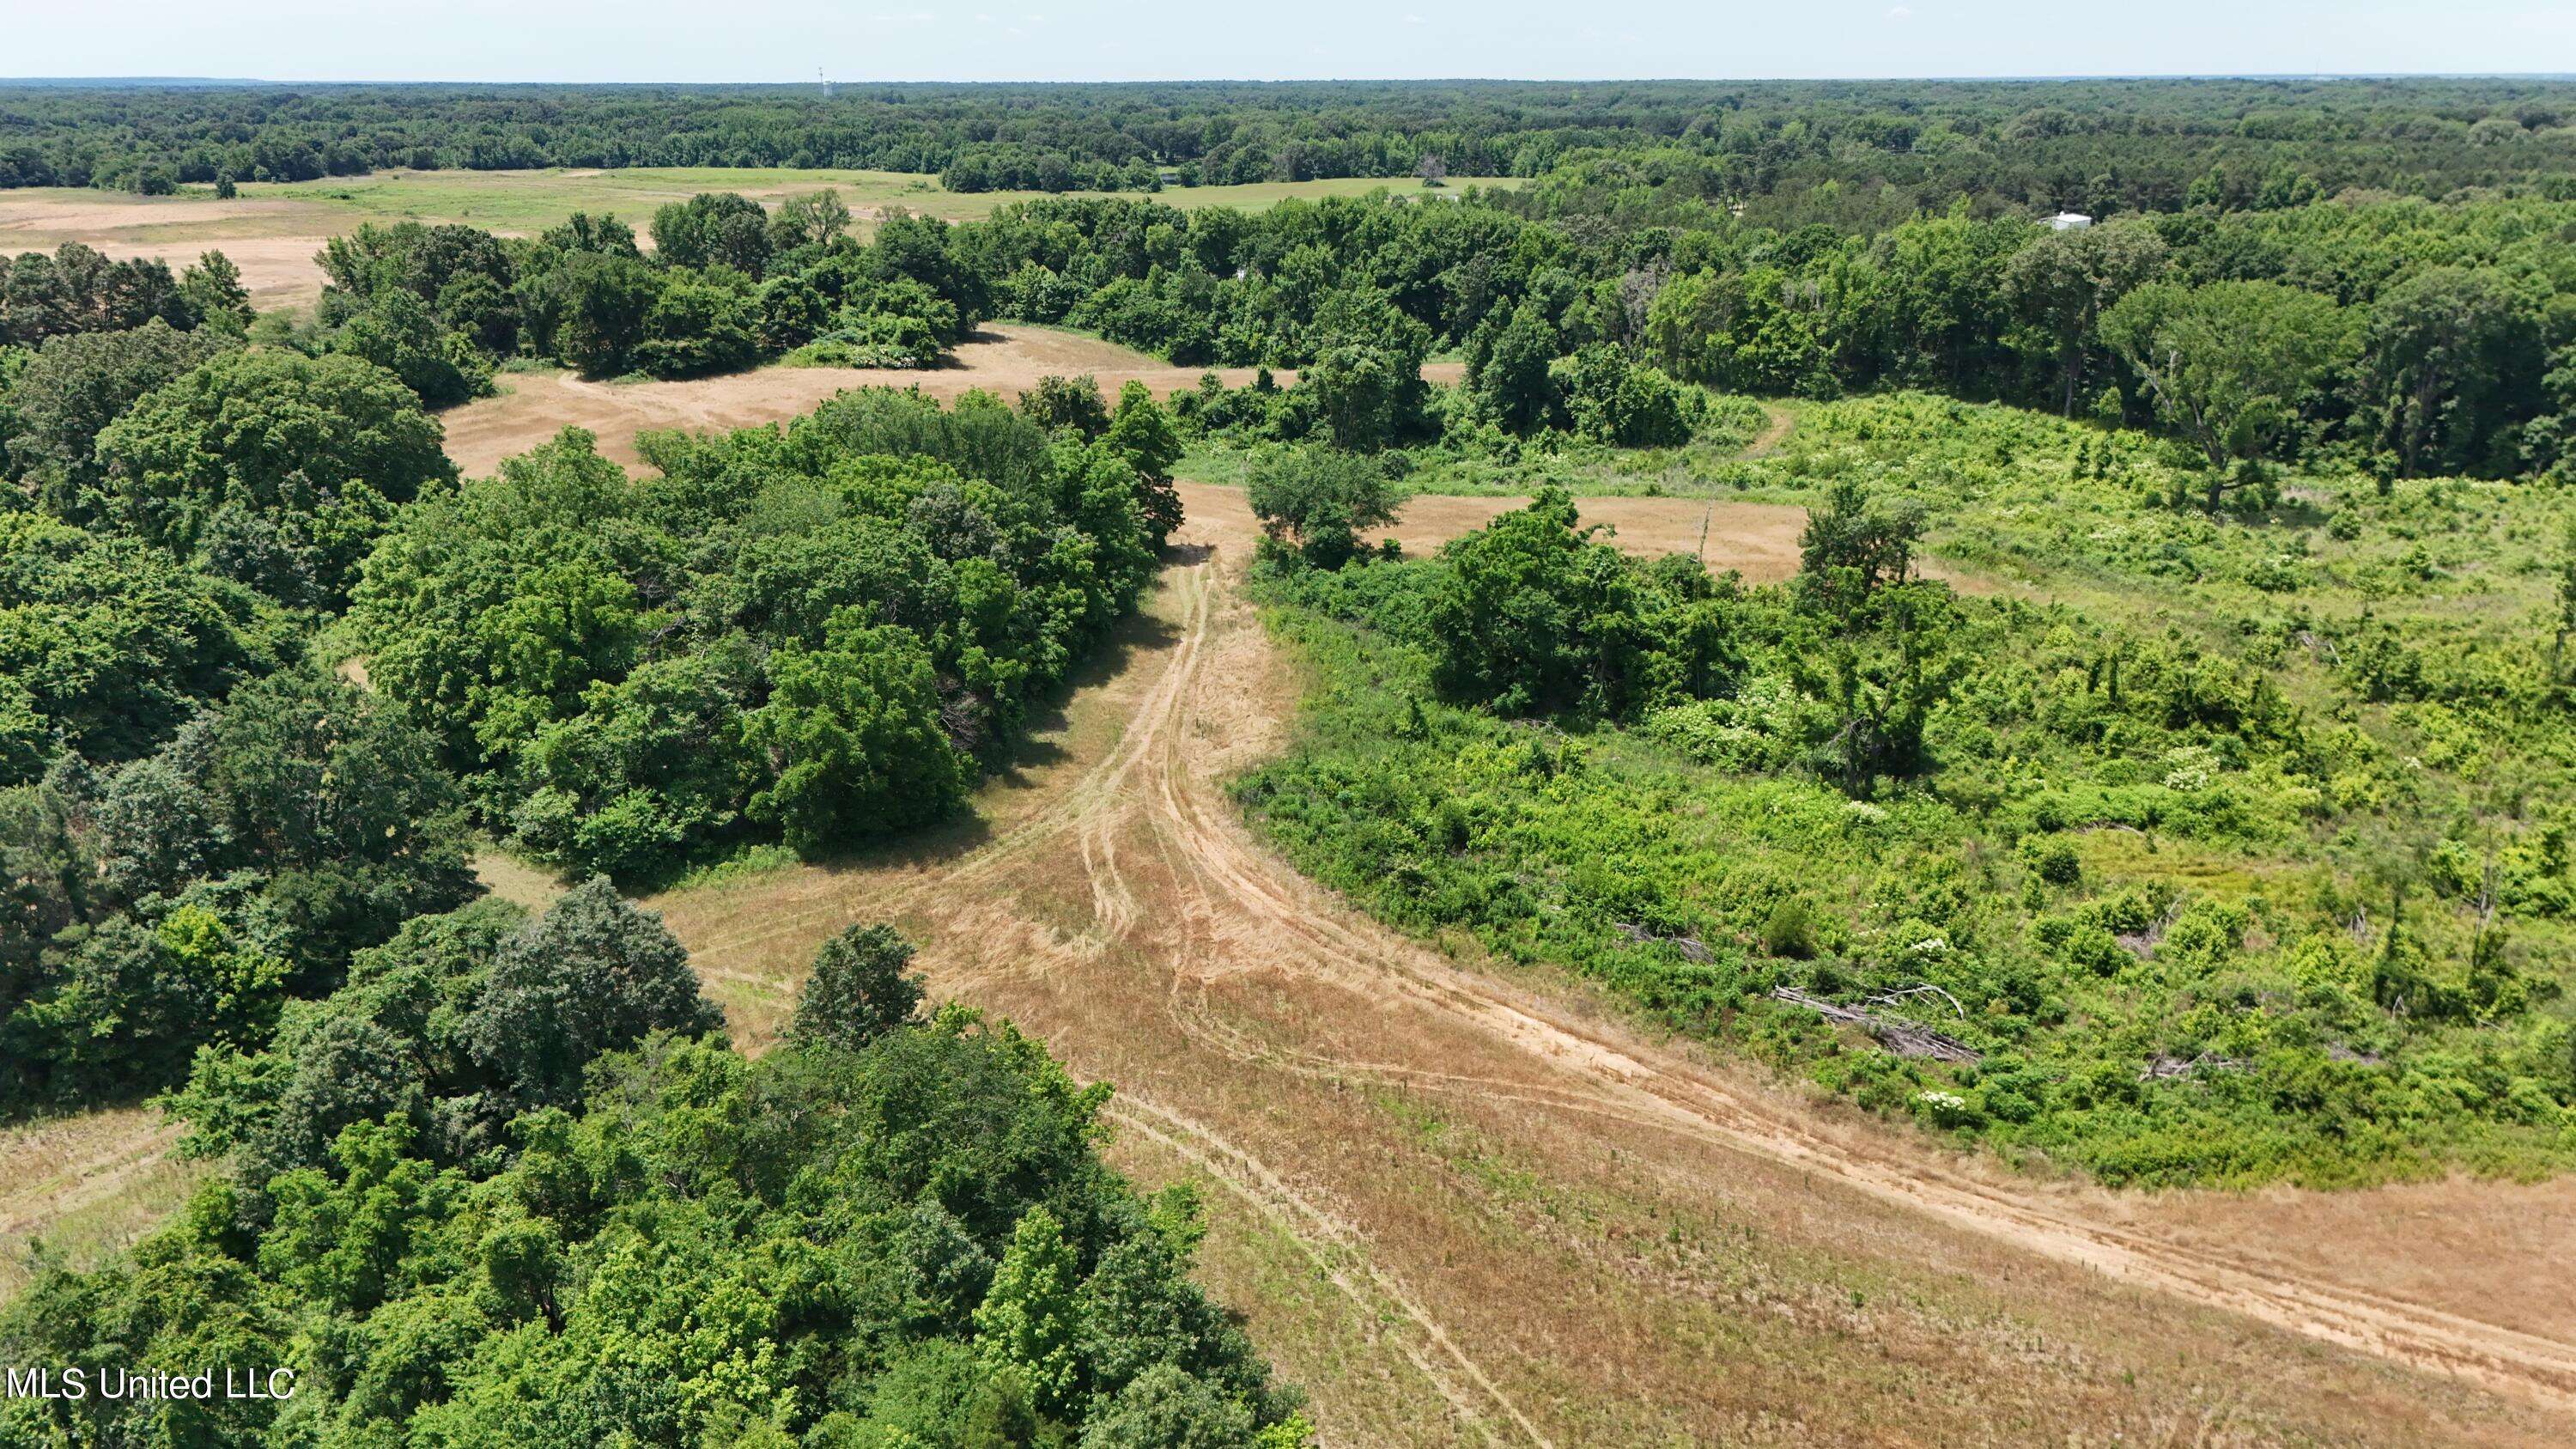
1464	1205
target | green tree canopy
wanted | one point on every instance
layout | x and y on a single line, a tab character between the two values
278	469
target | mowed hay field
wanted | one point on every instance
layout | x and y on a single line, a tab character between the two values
78	1188
272	229
1004	358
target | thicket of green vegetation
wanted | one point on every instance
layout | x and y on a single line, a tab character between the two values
820	635
2246	860
727	286
815	633
509	1186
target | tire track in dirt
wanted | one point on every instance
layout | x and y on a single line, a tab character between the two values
1308	1225
1222	906
1650	1088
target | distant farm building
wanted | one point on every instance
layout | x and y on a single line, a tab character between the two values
2069	221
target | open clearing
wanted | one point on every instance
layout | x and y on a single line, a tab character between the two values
84	1186
1006	359
272	229
1464	1204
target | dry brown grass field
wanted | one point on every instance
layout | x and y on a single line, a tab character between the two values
1001	358
78	1188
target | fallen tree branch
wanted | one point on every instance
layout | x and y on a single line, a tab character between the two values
1893	997
1692	948
1905	1038
2161	1068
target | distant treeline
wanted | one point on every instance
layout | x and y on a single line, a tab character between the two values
2107	145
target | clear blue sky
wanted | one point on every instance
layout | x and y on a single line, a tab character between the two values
785	40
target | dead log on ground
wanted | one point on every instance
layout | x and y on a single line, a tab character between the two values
2162	1068
1692	948
1905	1038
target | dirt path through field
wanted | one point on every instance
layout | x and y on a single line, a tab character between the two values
1466	1207
1778	423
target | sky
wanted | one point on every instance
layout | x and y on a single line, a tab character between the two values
853	40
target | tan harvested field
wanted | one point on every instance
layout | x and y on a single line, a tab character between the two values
84	1186
1003	358
1463	1203
272	241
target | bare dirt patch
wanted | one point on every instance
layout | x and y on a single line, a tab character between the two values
1468	1204
1759	540
76	216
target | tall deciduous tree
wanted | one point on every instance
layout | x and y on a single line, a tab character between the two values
280	468
2061	284
859	990
2228	362
2445	353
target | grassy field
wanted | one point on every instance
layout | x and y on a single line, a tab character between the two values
2337	776
526	201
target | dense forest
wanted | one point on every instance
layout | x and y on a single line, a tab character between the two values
2100	145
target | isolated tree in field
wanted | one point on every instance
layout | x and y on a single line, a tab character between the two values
2062	283
1855	545
2444	353
813	219
1433	170
1319	500
861	989
2228	362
